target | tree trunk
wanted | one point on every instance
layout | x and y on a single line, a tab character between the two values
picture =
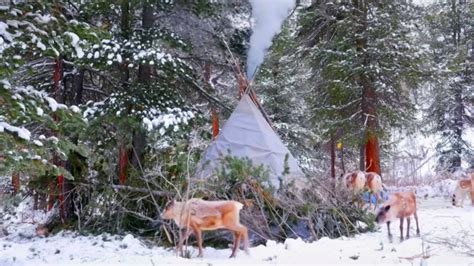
144	77
123	162
51	195
124	78
455	160
148	18
333	157
362	151
125	27
67	187
343	166
372	162
125	31
78	86
57	84
458	123
75	165
62	213
57	79
372	155
369	97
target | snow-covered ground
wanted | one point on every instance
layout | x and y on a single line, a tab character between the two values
447	234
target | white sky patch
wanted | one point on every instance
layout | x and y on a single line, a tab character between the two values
269	16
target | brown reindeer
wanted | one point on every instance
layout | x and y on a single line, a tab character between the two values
373	185
464	188
400	205
197	215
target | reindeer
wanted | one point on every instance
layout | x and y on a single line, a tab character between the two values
358	181
42	230
400	205
464	188
373	185
197	215
355	182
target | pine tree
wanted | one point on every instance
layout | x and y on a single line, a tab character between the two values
450	24
71	57
366	62
147	97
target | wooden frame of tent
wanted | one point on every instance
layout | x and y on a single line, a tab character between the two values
245	84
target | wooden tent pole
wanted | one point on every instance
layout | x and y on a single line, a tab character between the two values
244	84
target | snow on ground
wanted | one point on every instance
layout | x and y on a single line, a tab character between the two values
442	188
441	226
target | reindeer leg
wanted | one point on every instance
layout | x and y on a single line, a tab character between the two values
408	227
401	229
389	234
237	236
198	234
183	235
417	227
240	232
245	234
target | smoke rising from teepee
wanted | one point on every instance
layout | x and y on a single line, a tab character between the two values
269	16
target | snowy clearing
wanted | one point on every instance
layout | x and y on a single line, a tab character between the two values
447	235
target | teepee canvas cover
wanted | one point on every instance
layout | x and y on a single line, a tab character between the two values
247	134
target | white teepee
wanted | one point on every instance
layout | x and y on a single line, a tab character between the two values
247	134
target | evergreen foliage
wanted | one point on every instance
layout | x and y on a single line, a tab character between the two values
100	90
450	112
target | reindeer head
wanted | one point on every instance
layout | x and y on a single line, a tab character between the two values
42	230
169	212
383	215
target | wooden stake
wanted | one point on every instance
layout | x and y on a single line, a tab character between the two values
333	156
123	163
215	124
16	182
